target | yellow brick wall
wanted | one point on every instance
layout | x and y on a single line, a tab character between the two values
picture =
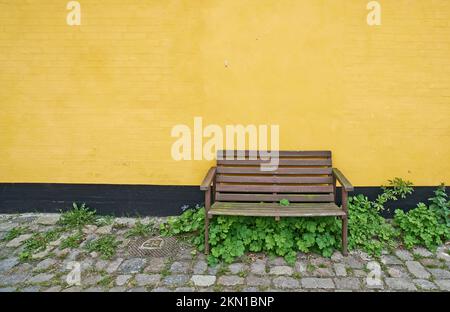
96	103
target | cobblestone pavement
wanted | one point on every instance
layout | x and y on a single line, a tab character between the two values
401	270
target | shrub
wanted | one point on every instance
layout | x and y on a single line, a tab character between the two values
77	217
440	205
367	229
231	237
420	226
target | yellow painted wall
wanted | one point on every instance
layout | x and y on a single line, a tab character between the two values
95	103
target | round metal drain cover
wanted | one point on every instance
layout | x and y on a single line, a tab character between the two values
157	246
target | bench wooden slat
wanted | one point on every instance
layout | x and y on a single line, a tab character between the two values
270	209
246	188
280	170
281	162
274	197
274	179
223	153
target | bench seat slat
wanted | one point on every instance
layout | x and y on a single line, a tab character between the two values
275	209
274	179
242	197
247	188
281	162
280	170
324	154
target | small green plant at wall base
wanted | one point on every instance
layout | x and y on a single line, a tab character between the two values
440	205
106	246
397	188
284	202
140	229
78	216
72	241
38	242
15	232
420	226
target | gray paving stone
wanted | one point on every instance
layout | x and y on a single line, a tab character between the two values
94	289
137	289
7	289
422	252
337	256
184	289
252	280
147	279
390	260
258	267
180	267
281	270
53	289
416	269
90	280
430	262
200	267
8	264
285	282
161	289
48	219
348	283
45	264
236	268
340	269
425	284
73	289
404	255
122	279
5	227
114	265
118	289
155	265
175	280
300	267
250	289
40	278
30	289
101	265
354	262
16	242
230	280
203	280
277	261
322	272
440	273
14	279
400	284
106	229
315	282
443	284
397	271
130	266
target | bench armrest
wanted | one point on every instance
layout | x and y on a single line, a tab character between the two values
206	184
342	180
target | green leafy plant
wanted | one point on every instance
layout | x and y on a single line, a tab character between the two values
15	232
367	229
104	220
140	229
397	188
231	237
106	246
440	205
420	226
77	217
38	242
284	202
72	241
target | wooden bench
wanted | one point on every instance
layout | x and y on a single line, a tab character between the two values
306	178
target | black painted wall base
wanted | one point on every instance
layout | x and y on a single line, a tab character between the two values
139	200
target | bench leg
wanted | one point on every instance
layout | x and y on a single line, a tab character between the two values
206	234
344	235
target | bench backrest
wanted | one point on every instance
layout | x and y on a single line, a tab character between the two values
301	176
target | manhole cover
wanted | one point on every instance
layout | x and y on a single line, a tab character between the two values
153	247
